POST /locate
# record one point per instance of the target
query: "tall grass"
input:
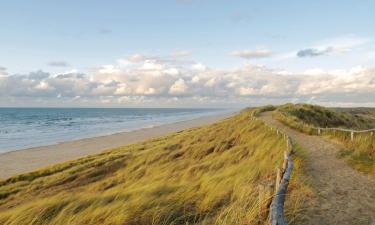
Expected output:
(360, 152)
(206, 175)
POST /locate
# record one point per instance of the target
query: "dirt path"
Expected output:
(344, 196)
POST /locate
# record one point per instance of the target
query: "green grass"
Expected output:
(205, 175)
(360, 153)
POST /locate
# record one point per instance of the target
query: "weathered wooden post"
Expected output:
(351, 135)
(278, 178)
(285, 163)
(287, 144)
(318, 131)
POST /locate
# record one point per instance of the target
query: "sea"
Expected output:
(22, 128)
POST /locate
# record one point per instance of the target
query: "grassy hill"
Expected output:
(206, 175)
(360, 152)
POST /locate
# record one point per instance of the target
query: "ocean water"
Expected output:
(30, 127)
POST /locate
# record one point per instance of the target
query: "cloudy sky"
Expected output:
(186, 53)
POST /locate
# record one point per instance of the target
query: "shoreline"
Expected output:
(29, 159)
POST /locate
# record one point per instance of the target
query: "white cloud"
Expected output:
(123, 62)
(43, 85)
(211, 82)
(195, 79)
(181, 53)
(152, 65)
(199, 67)
(171, 71)
(178, 87)
(252, 54)
(108, 69)
(245, 91)
(136, 58)
(159, 82)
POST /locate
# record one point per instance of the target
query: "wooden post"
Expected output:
(287, 144)
(352, 135)
(319, 131)
(278, 179)
(285, 163)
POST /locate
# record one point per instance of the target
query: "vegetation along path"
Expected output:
(344, 195)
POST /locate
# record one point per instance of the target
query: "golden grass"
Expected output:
(360, 153)
(206, 175)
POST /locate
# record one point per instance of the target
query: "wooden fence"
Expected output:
(272, 195)
(352, 132)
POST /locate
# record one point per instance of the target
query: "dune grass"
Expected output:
(360, 153)
(206, 175)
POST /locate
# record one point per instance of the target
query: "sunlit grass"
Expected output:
(206, 175)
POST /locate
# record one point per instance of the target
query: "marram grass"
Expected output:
(206, 175)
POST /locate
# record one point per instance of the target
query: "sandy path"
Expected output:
(21, 161)
(344, 196)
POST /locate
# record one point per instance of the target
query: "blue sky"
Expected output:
(290, 37)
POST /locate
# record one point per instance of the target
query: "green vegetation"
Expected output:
(206, 175)
(360, 152)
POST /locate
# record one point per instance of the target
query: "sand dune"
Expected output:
(25, 160)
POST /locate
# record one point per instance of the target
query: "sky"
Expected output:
(186, 53)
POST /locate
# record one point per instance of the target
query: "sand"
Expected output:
(26, 160)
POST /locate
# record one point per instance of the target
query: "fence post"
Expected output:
(351, 135)
(287, 144)
(319, 131)
(285, 163)
(278, 179)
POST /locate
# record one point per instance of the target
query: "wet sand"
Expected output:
(26, 160)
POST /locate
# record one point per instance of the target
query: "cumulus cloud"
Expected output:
(178, 87)
(137, 58)
(251, 54)
(166, 82)
(58, 64)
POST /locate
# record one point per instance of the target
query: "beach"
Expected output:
(27, 160)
